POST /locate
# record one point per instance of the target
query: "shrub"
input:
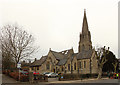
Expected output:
(3, 71)
(12, 74)
(24, 78)
(16, 77)
(104, 75)
(70, 76)
(40, 77)
(79, 76)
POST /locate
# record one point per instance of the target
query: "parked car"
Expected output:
(35, 73)
(52, 75)
(46, 73)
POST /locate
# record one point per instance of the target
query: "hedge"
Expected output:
(15, 75)
(79, 76)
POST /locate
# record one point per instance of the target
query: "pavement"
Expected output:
(78, 81)
(6, 80)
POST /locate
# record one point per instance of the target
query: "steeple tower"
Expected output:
(85, 43)
(85, 24)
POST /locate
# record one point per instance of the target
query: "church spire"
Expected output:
(85, 43)
(85, 24)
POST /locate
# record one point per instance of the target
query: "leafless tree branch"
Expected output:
(16, 42)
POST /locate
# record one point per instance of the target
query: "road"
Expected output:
(88, 82)
(53, 81)
(0, 78)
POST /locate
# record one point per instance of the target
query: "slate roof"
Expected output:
(39, 62)
(58, 55)
(72, 56)
(62, 62)
(84, 54)
(62, 58)
(25, 64)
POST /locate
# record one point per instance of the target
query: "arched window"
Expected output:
(68, 67)
(74, 66)
(62, 68)
(83, 47)
(84, 64)
(48, 66)
(80, 65)
(38, 68)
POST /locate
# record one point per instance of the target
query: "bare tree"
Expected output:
(16, 43)
(115, 65)
(101, 60)
(6, 59)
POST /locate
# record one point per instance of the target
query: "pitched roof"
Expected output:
(62, 56)
(25, 64)
(58, 55)
(72, 56)
(84, 54)
(39, 62)
(62, 62)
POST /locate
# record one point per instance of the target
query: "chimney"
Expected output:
(29, 61)
(23, 61)
(35, 59)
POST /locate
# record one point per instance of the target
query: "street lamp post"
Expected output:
(19, 66)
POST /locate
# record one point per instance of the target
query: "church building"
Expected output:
(84, 62)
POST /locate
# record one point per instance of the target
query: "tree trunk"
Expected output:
(115, 69)
(100, 73)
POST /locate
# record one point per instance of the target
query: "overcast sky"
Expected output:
(57, 24)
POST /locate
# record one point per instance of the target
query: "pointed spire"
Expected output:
(72, 48)
(85, 24)
(85, 36)
(84, 12)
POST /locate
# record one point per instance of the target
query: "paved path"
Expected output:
(52, 79)
(7, 79)
(94, 80)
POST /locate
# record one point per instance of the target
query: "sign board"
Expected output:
(19, 65)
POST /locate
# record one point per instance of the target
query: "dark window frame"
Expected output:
(80, 64)
(48, 66)
(84, 64)
(32, 68)
(74, 66)
(38, 68)
(62, 69)
(68, 67)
